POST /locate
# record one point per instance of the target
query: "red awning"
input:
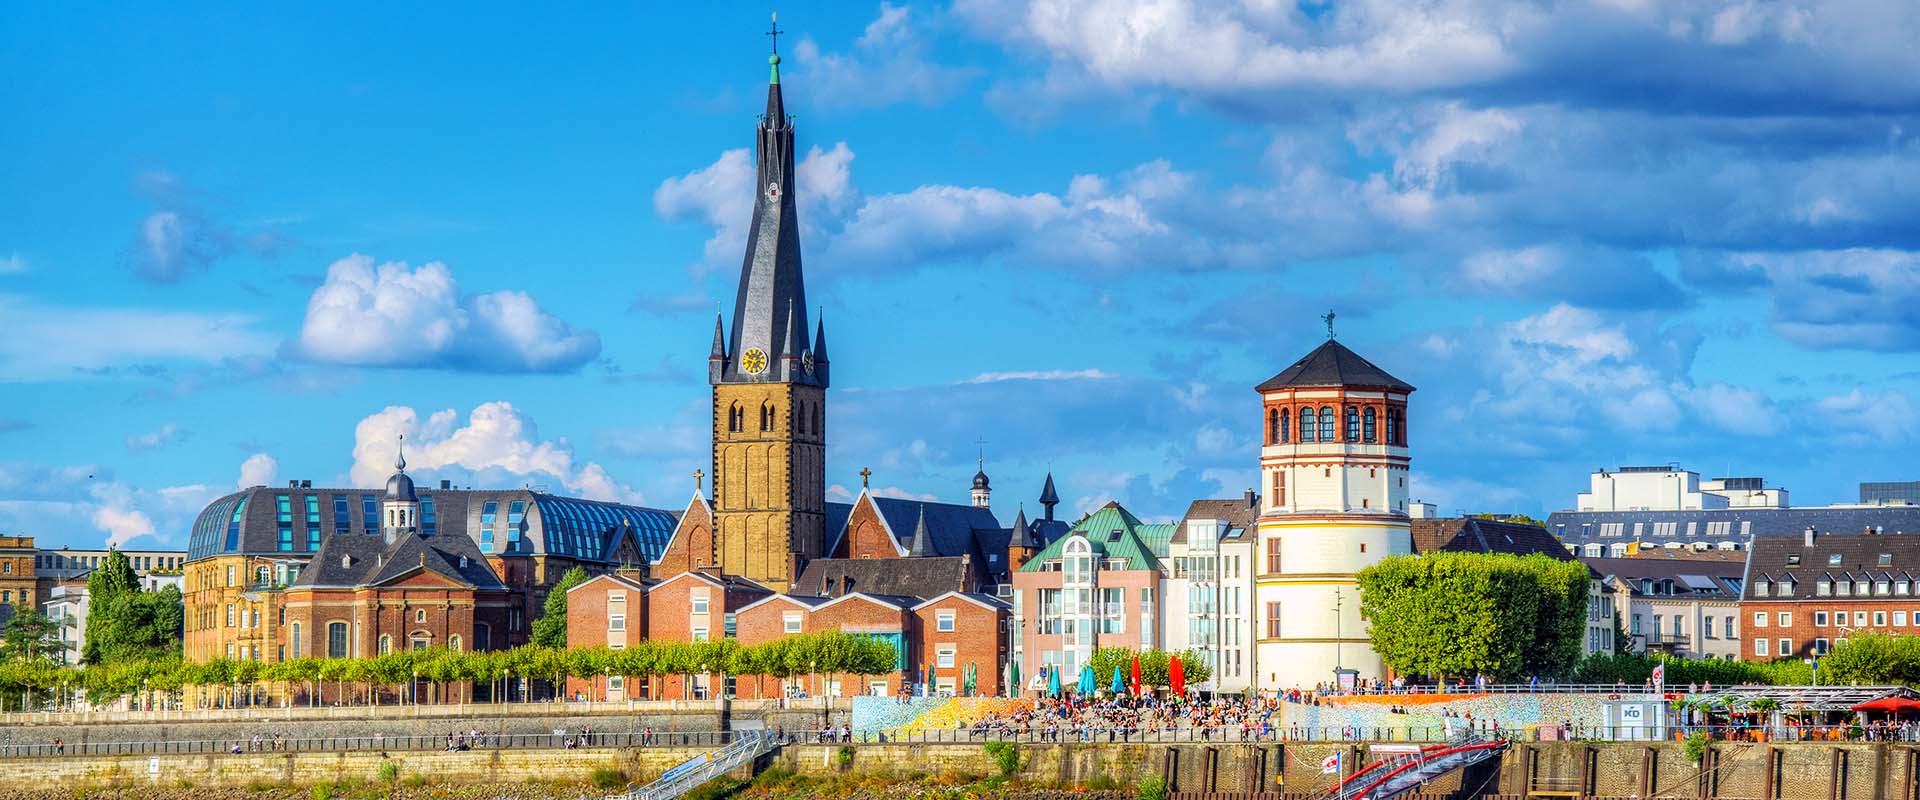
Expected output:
(1888, 704)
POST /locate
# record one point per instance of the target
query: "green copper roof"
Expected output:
(1141, 544)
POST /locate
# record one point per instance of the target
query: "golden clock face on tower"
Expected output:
(754, 361)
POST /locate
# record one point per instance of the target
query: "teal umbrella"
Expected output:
(1053, 682)
(1088, 683)
(1119, 686)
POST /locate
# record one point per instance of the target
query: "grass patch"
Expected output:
(389, 772)
(258, 785)
(1153, 787)
(1101, 783)
(715, 789)
(608, 778)
(1005, 755)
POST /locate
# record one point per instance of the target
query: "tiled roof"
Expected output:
(1238, 512)
(1332, 364)
(1689, 577)
(1585, 526)
(1830, 553)
(914, 577)
(347, 560)
(954, 530)
(1473, 535)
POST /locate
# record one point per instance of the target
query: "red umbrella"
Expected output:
(1177, 676)
(1890, 703)
(1134, 678)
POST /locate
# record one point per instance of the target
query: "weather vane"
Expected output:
(775, 33)
(1329, 320)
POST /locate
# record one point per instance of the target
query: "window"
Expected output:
(1367, 430)
(1353, 424)
(766, 417)
(1273, 620)
(700, 604)
(736, 418)
(700, 633)
(1820, 646)
(791, 621)
(1706, 627)
(1880, 588)
(336, 640)
(1784, 619)
(1306, 425)
(386, 644)
(617, 621)
(944, 657)
(230, 615)
(1859, 619)
(1899, 619)
(1326, 423)
(1786, 648)
(369, 514)
(1286, 426)
(1275, 428)
(1823, 588)
(1393, 426)
(1879, 619)
(1833, 560)
(943, 621)
(420, 641)
(1279, 493)
(487, 513)
(1759, 619)
(1820, 618)
(1273, 554)
(1760, 648)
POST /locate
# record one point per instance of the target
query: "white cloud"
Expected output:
(1853, 298)
(1879, 418)
(1089, 374)
(259, 469)
(167, 434)
(54, 343)
(397, 316)
(721, 195)
(888, 64)
(497, 444)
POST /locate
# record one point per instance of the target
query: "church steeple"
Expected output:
(771, 304)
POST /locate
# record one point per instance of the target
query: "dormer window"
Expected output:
(1885, 560)
(1793, 559)
(1114, 535)
(346, 561)
(1823, 588)
(1761, 587)
(1833, 560)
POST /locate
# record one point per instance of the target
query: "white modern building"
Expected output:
(1670, 488)
(66, 607)
(1209, 590)
(1334, 467)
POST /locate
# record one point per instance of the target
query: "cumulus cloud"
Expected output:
(53, 342)
(259, 469)
(1878, 417)
(1861, 298)
(393, 315)
(498, 445)
(721, 195)
(153, 440)
(61, 503)
(888, 64)
(180, 236)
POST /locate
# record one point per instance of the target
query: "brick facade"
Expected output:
(866, 535)
(17, 587)
(1804, 594)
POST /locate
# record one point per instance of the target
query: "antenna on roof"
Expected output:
(1328, 318)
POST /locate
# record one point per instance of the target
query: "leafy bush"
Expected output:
(607, 778)
(1153, 787)
(1696, 746)
(321, 791)
(389, 771)
(845, 756)
(1006, 756)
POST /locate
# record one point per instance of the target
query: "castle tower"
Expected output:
(1334, 463)
(769, 385)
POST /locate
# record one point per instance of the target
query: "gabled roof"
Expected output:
(803, 601)
(902, 602)
(1238, 512)
(1113, 532)
(918, 577)
(1474, 535)
(620, 579)
(976, 598)
(370, 561)
(1332, 364)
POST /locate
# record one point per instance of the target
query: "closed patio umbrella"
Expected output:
(1053, 681)
(1088, 683)
(1119, 686)
(1177, 677)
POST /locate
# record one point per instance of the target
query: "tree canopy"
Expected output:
(550, 630)
(30, 637)
(1501, 615)
(125, 622)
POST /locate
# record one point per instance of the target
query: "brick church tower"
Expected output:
(769, 385)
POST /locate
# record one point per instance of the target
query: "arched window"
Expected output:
(336, 640)
(386, 644)
(454, 641)
(736, 418)
(1393, 426)
(766, 417)
(1367, 434)
(1286, 427)
(1326, 423)
(1306, 425)
(1353, 424)
(799, 422)
(1273, 426)
(819, 420)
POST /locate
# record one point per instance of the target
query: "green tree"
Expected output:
(1873, 659)
(550, 630)
(29, 636)
(126, 623)
(1446, 614)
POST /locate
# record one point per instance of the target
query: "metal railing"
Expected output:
(377, 743)
(299, 711)
(707, 766)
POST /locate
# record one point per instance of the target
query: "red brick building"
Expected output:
(945, 633)
(1804, 594)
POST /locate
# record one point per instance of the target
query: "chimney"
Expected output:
(445, 484)
(1809, 536)
(293, 484)
(306, 484)
(1249, 497)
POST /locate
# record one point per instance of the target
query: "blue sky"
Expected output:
(246, 245)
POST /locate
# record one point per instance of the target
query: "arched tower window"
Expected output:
(800, 417)
(766, 417)
(1326, 423)
(1273, 426)
(1353, 424)
(819, 420)
(1393, 426)
(1286, 427)
(1306, 425)
(736, 418)
(1367, 431)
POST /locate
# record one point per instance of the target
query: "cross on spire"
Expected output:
(774, 32)
(865, 474)
(697, 475)
(1328, 318)
(982, 444)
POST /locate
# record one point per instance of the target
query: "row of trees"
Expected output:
(226, 681)
(1455, 614)
(1154, 666)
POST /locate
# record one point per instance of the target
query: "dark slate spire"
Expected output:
(921, 545)
(772, 300)
(1049, 497)
(1022, 533)
(717, 357)
(820, 348)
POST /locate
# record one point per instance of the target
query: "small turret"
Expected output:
(1021, 544)
(400, 509)
(717, 357)
(982, 491)
(921, 545)
(1048, 497)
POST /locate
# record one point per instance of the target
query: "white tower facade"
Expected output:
(1334, 469)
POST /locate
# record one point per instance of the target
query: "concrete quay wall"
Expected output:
(1864, 771)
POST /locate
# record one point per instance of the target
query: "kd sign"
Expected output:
(1631, 713)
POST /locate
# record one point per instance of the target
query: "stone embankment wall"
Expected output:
(1864, 771)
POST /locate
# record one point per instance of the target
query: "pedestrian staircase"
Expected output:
(1392, 777)
(745, 747)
